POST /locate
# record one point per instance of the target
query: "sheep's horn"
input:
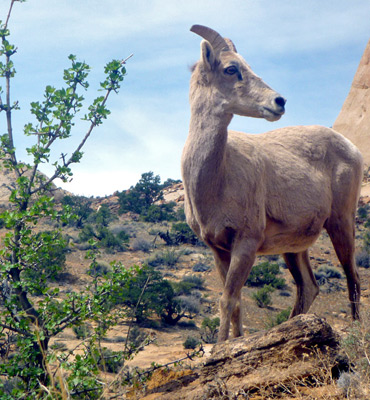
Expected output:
(217, 41)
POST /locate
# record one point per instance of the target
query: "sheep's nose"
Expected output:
(280, 101)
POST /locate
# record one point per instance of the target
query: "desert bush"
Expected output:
(159, 212)
(362, 212)
(209, 329)
(262, 296)
(100, 268)
(190, 305)
(136, 339)
(169, 257)
(104, 237)
(356, 347)
(142, 244)
(279, 318)
(187, 284)
(180, 234)
(196, 281)
(191, 343)
(363, 258)
(201, 267)
(266, 274)
(326, 272)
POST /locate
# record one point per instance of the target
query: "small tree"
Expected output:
(140, 197)
(266, 274)
(80, 207)
(150, 294)
(26, 325)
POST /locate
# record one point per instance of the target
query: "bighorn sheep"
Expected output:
(271, 193)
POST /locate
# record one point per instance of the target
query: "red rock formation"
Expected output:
(354, 118)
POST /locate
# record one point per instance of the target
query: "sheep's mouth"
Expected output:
(272, 115)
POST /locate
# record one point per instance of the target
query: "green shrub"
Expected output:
(184, 234)
(105, 238)
(191, 343)
(209, 329)
(103, 216)
(196, 281)
(266, 274)
(362, 212)
(123, 236)
(180, 214)
(158, 213)
(187, 285)
(157, 296)
(279, 318)
(263, 296)
(80, 206)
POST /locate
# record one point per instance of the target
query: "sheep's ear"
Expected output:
(207, 55)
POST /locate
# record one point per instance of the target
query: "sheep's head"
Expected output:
(238, 88)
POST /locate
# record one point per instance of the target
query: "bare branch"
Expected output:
(9, 12)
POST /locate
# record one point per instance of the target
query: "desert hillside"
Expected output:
(178, 262)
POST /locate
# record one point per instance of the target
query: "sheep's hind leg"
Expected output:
(342, 234)
(307, 287)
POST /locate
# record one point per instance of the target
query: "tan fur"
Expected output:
(271, 193)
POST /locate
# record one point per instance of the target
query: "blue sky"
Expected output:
(307, 51)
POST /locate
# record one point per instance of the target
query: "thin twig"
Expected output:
(134, 312)
(124, 61)
(10, 10)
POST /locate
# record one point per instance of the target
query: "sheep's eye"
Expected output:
(231, 70)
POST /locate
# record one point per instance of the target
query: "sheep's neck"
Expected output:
(203, 163)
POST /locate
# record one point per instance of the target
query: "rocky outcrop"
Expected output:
(354, 119)
(248, 366)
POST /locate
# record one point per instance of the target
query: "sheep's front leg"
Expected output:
(242, 259)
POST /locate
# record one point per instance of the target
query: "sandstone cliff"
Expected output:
(354, 119)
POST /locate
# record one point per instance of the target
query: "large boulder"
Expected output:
(354, 118)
